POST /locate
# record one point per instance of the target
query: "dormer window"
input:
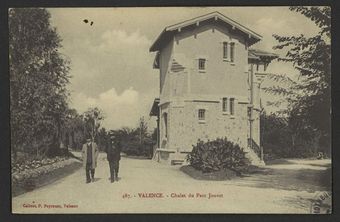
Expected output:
(202, 64)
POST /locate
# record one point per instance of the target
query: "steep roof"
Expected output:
(169, 31)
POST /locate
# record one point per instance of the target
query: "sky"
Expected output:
(111, 66)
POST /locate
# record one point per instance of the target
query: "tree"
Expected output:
(128, 139)
(73, 129)
(286, 136)
(309, 98)
(92, 119)
(135, 141)
(142, 130)
(102, 139)
(38, 79)
(146, 141)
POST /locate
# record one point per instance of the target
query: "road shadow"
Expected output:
(97, 179)
(137, 157)
(278, 161)
(310, 176)
(328, 165)
(309, 180)
(221, 175)
(109, 179)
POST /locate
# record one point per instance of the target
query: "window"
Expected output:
(165, 117)
(232, 106)
(229, 51)
(225, 104)
(201, 114)
(201, 64)
(225, 50)
(228, 106)
(232, 52)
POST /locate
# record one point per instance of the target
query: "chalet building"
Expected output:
(209, 86)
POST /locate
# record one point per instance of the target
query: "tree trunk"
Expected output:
(293, 144)
(72, 139)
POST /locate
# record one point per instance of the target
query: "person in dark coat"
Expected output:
(90, 154)
(113, 156)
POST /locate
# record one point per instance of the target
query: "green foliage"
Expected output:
(73, 130)
(92, 118)
(135, 141)
(40, 117)
(102, 139)
(38, 79)
(217, 155)
(77, 128)
(287, 137)
(309, 98)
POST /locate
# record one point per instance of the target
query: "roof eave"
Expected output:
(210, 16)
(155, 46)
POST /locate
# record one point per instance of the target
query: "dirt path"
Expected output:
(267, 192)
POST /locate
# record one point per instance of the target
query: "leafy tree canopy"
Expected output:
(38, 79)
(309, 98)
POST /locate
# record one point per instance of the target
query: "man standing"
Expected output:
(113, 156)
(90, 154)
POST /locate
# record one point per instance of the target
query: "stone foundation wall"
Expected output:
(185, 128)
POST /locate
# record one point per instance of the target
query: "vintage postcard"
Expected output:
(170, 110)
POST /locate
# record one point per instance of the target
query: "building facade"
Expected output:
(209, 86)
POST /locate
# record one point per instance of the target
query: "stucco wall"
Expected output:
(183, 93)
(164, 110)
(186, 129)
(221, 77)
(164, 62)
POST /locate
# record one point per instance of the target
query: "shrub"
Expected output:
(217, 155)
